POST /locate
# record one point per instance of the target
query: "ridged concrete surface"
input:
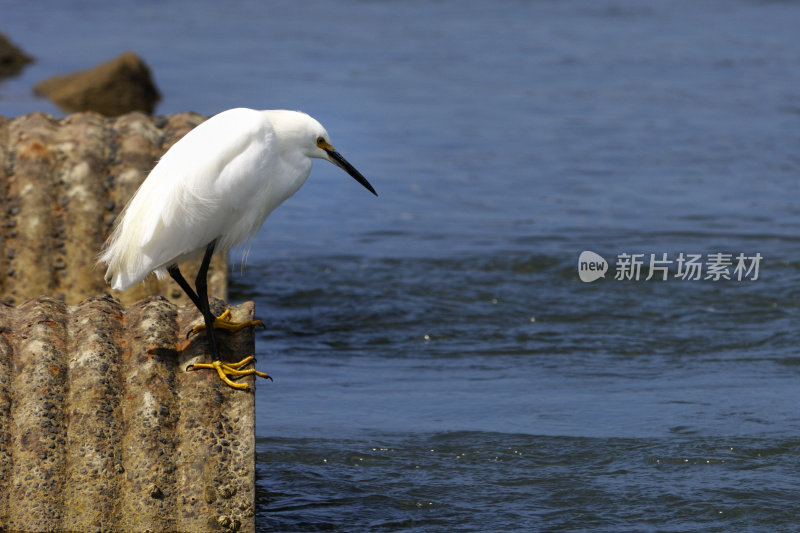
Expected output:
(62, 183)
(103, 429)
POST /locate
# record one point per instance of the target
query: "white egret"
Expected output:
(210, 192)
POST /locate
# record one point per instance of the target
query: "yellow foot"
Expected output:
(223, 321)
(232, 369)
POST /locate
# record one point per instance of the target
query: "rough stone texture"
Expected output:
(103, 429)
(62, 183)
(119, 86)
(12, 59)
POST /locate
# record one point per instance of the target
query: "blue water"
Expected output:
(438, 364)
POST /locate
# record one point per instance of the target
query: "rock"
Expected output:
(12, 59)
(119, 86)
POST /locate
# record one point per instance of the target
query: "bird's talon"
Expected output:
(232, 369)
(224, 321)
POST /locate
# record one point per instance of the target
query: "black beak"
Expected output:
(342, 163)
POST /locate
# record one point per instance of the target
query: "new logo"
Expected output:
(591, 266)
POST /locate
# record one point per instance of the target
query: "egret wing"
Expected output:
(180, 207)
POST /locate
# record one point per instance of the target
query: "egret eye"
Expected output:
(320, 141)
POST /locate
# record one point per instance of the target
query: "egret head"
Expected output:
(302, 132)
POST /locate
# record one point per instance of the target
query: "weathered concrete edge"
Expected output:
(102, 428)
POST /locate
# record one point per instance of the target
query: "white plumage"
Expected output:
(220, 181)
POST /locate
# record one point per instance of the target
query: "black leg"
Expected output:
(201, 284)
(200, 299)
(180, 280)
